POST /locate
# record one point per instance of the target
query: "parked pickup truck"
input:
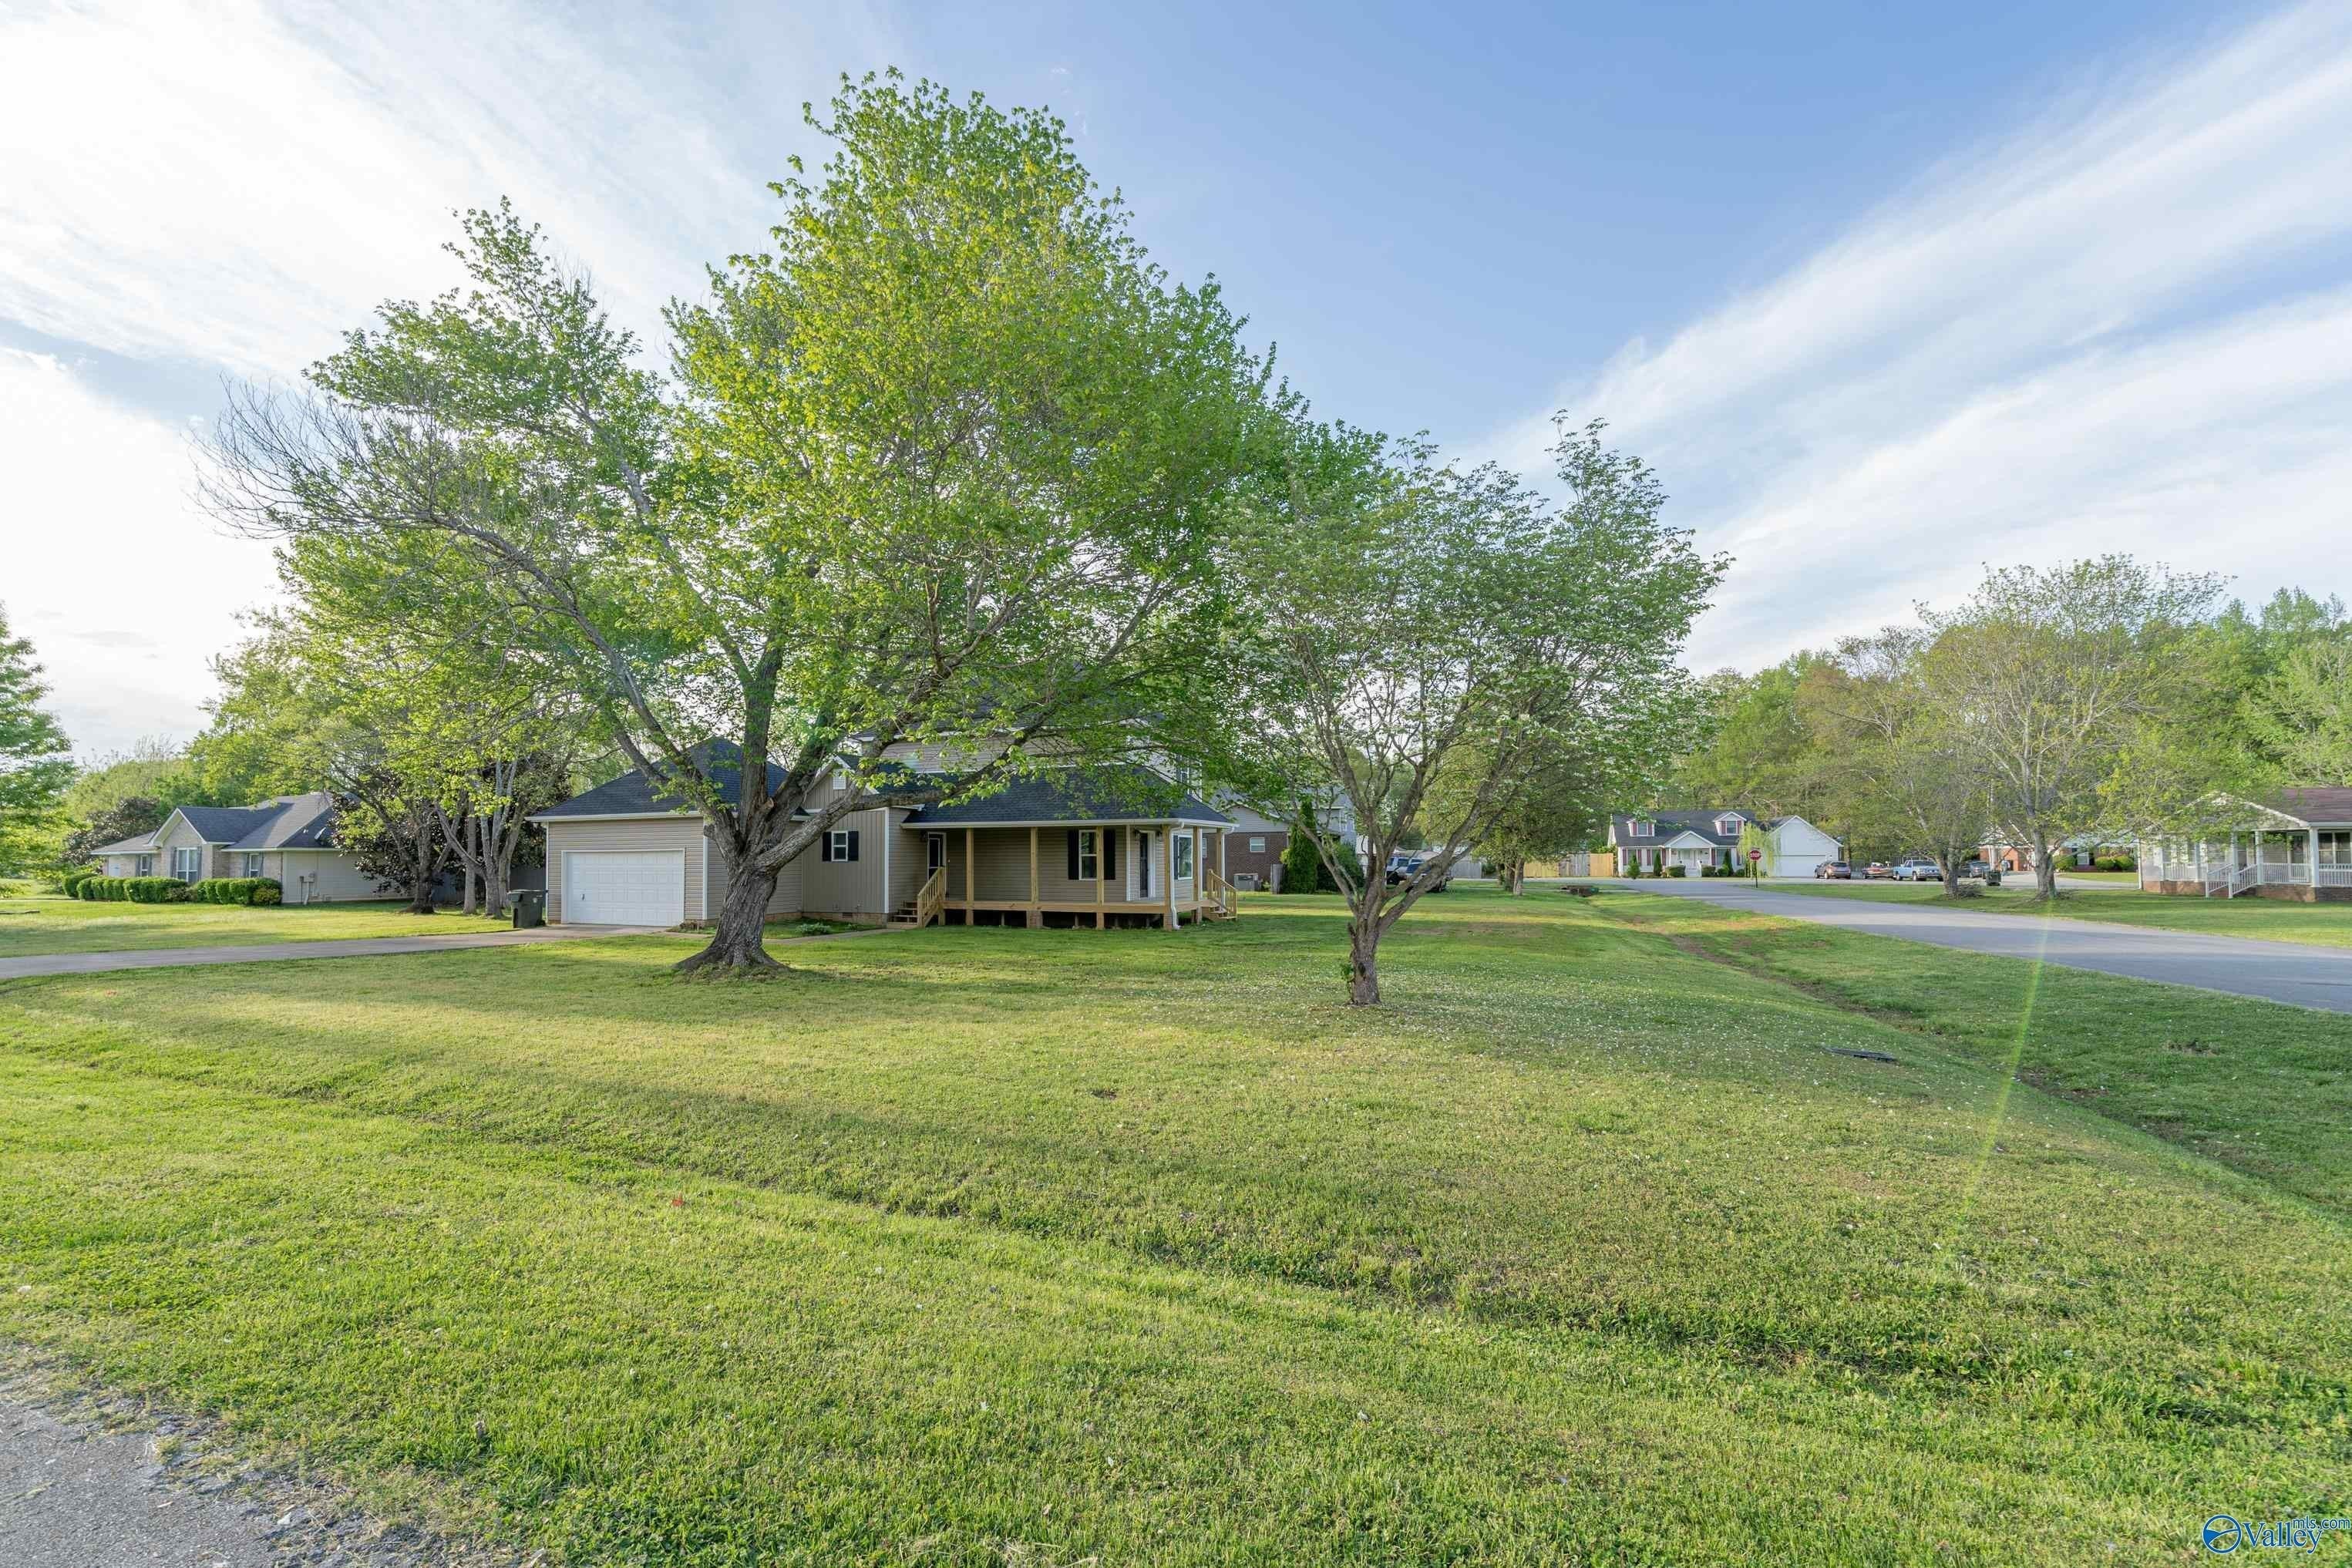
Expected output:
(1916, 869)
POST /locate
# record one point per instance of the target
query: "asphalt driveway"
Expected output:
(2292, 972)
(350, 947)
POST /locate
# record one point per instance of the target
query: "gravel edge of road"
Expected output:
(295, 1521)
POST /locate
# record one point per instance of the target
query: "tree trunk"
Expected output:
(2045, 872)
(1364, 957)
(739, 941)
(1951, 877)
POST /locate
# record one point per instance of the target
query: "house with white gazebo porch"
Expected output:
(2296, 844)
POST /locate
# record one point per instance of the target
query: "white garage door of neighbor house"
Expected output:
(636, 887)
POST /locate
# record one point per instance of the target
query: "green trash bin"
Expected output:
(529, 908)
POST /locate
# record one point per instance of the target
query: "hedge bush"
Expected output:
(71, 882)
(2116, 863)
(237, 891)
(133, 890)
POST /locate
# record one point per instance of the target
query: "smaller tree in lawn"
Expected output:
(1443, 636)
(1754, 845)
(1556, 802)
(1903, 761)
(34, 767)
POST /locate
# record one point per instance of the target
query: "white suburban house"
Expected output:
(1698, 841)
(2296, 844)
(291, 838)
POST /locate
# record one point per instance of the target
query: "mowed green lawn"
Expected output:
(2270, 920)
(48, 923)
(998, 1246)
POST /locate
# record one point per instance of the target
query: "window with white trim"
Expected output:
(1089, 855)
(1183, 855)
(143, 865)
(840, 843)
(1257, 843)
(1641, 828)
(188, 864)
(252, 866)
(2336, 849)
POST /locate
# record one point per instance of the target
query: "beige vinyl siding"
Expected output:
(335, 878)
(784, 901)
(907, 867)
(852, 888)
(1000, 865)
(683, 833)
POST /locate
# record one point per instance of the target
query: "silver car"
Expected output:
(1917, 871)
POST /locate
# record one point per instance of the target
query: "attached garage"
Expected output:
(624, 887)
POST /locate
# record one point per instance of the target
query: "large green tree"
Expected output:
(2057, 676)
(34, 766)
(1444, 636)
(952, 458)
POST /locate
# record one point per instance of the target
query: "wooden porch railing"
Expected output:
(932, 903)
(1216, 892)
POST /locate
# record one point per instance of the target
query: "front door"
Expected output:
(1141, 861)
(934, 853)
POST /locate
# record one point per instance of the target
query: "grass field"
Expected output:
(997, 1246)
(49, 923)
(2270, 920)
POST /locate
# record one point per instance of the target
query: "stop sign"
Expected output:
(1755, 854)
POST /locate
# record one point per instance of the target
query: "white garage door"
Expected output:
(638, 888)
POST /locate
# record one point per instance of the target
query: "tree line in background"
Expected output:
(2100, 700)
(951, 458)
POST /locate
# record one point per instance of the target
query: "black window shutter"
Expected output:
(853, 844)
(1074, 855)
(824, 850)
(1110, 852)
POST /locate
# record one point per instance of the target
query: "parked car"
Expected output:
(1405, 865)
(1878, 870)
(1836, 869)
(1983, 871)
(1916, 869)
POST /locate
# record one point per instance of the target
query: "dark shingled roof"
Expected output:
(2318, 805)
(288, 822)
(633, 794)
(1116, 793)
(1671, 825)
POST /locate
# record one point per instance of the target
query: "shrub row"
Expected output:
(2116, 863)
(97, 887)
(236, 890)
(131, 890)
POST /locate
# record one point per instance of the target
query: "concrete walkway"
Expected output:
(2300, 975)
(352, 947)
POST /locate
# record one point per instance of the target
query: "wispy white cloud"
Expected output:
(228, 185)
(2116, 328)
(125, 590)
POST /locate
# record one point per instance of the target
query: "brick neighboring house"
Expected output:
(1253, 848)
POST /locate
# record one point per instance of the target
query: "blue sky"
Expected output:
(1884, 292)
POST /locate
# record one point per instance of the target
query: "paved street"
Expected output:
(2293, 973)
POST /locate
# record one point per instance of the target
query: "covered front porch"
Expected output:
(2274, 855)
(1696, 857)
(1166, 874)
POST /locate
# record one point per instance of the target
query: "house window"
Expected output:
(1728, 825)
(837, 844)
(1640, 827)
(2336, 849)
(1257, 843)
(252, 866)
(1089, 855)
(840, 780)
(1183, 855)
(143, 866)
(188, 864)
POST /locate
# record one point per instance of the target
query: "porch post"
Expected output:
(1102, 852)
(1036, 916)
(2310, 866)
(970, 914)
(1168, 859)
